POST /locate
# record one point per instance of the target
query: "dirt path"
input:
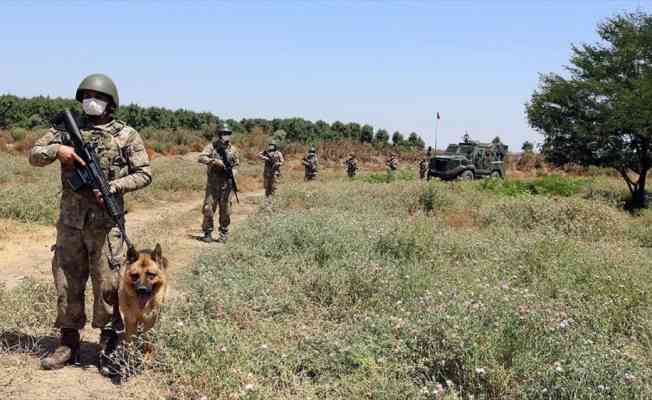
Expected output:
(27, 255)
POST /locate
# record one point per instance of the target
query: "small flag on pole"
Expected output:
(438, 117)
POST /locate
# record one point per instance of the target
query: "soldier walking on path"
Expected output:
(424, 164)
(351, 165)
(84, 225)
(392, 166)
(272, 172)
(310, 165)
(218, 185)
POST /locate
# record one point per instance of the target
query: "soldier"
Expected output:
(310, 165)
(392, 166)
(351, 165)
(218, 186)
(423, 164)
(84, 225)
(272, 173)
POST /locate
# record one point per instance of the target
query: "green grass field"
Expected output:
(354, 290)
(538, 289)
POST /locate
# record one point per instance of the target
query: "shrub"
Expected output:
(573, 217)
(551, 185)
(434, 197)
(18, 134)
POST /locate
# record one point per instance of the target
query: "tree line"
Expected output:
(40, 111)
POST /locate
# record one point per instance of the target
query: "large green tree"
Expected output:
(382, 137)
(398, 139)
(366, 134)
(601, 113)
(415, 140)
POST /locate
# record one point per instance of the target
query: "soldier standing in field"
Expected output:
(272, 172)
(351, 165)
(218, 186)
(84, 225)
(392, 166)
(424, 163)
(310, 165)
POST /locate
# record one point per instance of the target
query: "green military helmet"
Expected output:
(99, 83)
(312, 150)
(224, 130)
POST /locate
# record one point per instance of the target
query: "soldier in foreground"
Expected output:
(392, 166)
(218, 184)
(423, 164)
(310, 165)
(272, 172)
(351, 165)
(84, 224)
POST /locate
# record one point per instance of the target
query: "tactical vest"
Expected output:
(79, 209)
(215, 173)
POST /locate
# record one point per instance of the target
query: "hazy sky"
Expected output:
(389, 64)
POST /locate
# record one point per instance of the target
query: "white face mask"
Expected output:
(94, 106)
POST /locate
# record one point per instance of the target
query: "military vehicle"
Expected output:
(469, 160)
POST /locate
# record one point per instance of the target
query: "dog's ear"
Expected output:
(132, 255)
(157, 255)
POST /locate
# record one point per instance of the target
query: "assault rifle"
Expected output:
(91, 176)
(228, 171)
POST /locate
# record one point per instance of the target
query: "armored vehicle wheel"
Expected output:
(467, 175)
(496, 174)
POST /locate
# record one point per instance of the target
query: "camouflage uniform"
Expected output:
(272, 171)
(423, 168)
(351, 167)
(392, 166)
(218, 189)
(310, 165)
(83, 226)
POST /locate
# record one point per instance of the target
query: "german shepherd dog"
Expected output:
(142, 290)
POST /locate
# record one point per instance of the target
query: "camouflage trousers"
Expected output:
(271, 184)
(78, 254)
(217, 195)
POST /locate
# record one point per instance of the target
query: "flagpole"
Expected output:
(436, 129)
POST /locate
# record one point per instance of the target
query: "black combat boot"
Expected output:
(66, 353)
(108, 344)
(224, 235)
(208, 238)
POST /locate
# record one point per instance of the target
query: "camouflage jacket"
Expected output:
(273, 162)
(123, 160)
(216, 173)
(392, 164)
(423, 165)
(310, 164)
(351, 164)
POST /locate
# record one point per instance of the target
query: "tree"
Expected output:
(398, 139)
(353, 130)
(382, 137)
(340, 128)
(366, 134)
(415, 141)
(527, 147)
(602, 113)
(496, 140)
